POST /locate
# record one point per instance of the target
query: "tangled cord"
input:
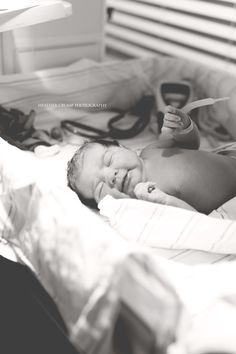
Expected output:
(17, 128)
(142, 111)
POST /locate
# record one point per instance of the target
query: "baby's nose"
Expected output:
(112, 178)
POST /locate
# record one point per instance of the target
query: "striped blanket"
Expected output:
(160, 226)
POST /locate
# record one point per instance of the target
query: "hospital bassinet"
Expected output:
(82, 261)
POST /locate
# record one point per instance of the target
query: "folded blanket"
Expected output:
(156, 225)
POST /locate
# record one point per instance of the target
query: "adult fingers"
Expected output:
(172, 117)
(143, 189)
(149, 192)
(169, 124)
(177, 112)
(171, 109)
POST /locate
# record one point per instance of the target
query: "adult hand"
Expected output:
(175, 119)
(149, 192)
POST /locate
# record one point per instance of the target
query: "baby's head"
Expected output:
(100, 168)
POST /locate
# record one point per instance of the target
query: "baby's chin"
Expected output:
(130, 191)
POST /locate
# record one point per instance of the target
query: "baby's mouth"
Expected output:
(123, 184)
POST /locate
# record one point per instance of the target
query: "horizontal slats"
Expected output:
(127, 48)
(176, 35)
(199, 30)
(196, 7)
(186, 21)
(161, 46)
(134, 51)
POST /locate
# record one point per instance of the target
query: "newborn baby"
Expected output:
(172, 171)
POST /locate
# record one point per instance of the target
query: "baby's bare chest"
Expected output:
(176, 169)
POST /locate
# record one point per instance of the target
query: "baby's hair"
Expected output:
(74, 166)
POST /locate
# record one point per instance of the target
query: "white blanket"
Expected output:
(156, 225)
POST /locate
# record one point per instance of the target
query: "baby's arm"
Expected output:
(149, 192)
(180, 129)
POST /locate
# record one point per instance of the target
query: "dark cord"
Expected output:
(142, 111)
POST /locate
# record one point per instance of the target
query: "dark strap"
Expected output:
(142, 110)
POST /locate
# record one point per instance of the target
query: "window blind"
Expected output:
(199, 30)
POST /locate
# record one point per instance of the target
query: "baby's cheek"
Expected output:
(127, 160)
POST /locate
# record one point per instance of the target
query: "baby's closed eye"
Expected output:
(107, 158)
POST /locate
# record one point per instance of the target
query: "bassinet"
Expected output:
(82, 262)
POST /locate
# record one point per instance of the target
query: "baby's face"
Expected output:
(111, 171)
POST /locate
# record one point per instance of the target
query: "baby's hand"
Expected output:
(175, 119)
(149, 192)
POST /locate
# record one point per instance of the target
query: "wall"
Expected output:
(58, 42)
